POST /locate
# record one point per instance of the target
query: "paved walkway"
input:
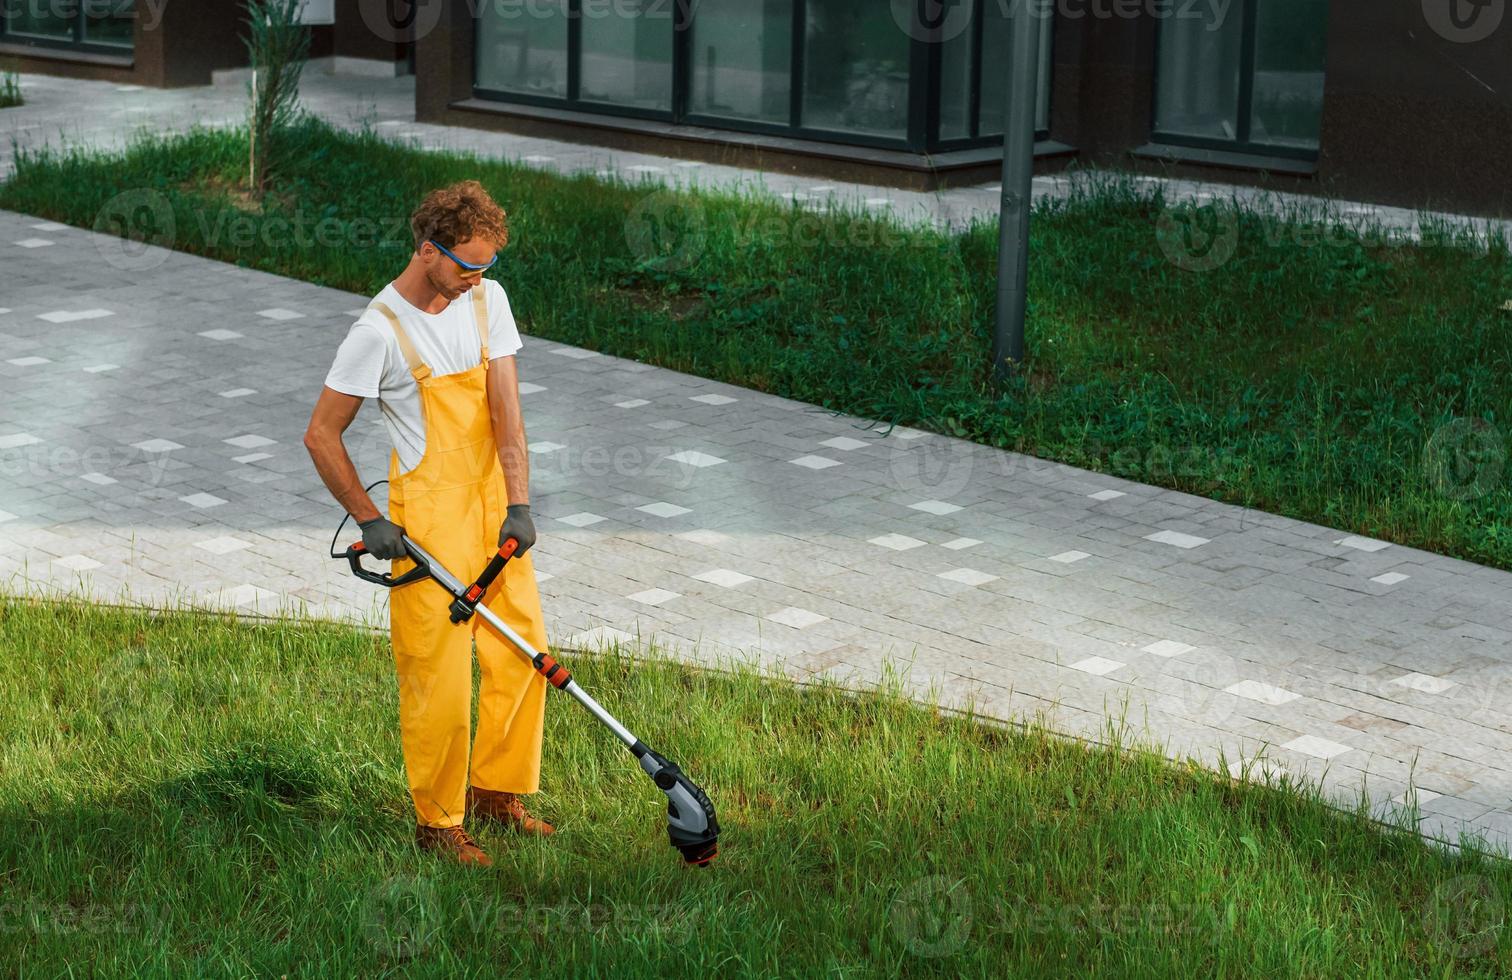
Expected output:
(150, 451)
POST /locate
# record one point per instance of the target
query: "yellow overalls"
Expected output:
(453, 503)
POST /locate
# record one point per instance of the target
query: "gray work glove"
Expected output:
(382, 538)
(519, 526)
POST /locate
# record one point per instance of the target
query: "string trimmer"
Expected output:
(691, 823)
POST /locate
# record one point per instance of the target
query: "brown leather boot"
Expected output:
(506, 809)
(453, 842)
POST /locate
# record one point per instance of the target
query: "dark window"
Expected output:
(99, 25)
(846, 70)
(1248, 79)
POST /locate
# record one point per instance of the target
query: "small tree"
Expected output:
(277, 47)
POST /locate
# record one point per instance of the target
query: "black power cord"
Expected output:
(334, 553)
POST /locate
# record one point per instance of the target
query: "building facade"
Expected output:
(1404, 102)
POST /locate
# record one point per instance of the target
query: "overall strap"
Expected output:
(480, 310)
(417, 367)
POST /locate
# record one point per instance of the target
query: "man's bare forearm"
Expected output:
(514, 459)
(339, 475)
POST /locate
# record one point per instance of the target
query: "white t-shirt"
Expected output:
(369, 363)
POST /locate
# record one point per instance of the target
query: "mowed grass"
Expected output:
(1353, 380)
(193, 795)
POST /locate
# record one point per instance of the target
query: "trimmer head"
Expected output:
(691, 824)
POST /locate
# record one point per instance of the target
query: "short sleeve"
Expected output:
(503, 334)
(360, 362)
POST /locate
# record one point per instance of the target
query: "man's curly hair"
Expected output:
(459, 213)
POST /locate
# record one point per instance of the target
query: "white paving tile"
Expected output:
(1362, 544)
(1067, 557)
(279, 313)
(664, 509)
(1097, 665)
(1262, 692)
(249, 441)
(1317, 746)
(545, 446)
(1426, 683)
(723, 576)
(71, 316)
(581, 519)
(796, 617)
(845, 443)
(693, 457)
(632, 403)
(575, 352)
(253, 457)
(36, 242)
(238, 392)
(653, 597)
(18, 440)
(1106, 494)
(48, 226)
(935, 507)
(219, 334)
(704, 536)
(712, 399)
(667, 424)
(968, 576)
(6, 515)
(960, 543)
(904, 432)
(1421, 795)
(100, 368)
(243, 595)
(815, 462)
(99, 479)
(1390, 578)
(1168, 648)
(79, 563)
(897, 542)
(529, 387)
(156, 445)
(222, 545)
(31, 361)
(203, 500)
(1177, 538)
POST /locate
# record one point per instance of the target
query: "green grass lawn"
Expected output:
(194, 795)
(1357, 382)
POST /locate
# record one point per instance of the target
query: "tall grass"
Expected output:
(183, 794)
(1351, 379)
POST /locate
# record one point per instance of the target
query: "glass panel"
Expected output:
(997, 42)
(1197, 72)
(956, 57)
(742, 59)
(1288, 102)
(109, 21)
(855, 76)
(522, 47)
(627, 53)
(34, 19)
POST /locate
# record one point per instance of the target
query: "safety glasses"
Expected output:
(467, 267)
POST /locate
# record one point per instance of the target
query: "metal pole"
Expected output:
(1018, 173)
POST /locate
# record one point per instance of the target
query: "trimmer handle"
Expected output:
(354, 555)
(462, 607)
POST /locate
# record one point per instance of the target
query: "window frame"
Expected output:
(78, 42)
(1249, 38)
(921, 127)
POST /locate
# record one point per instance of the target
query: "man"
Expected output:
(436, 348)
